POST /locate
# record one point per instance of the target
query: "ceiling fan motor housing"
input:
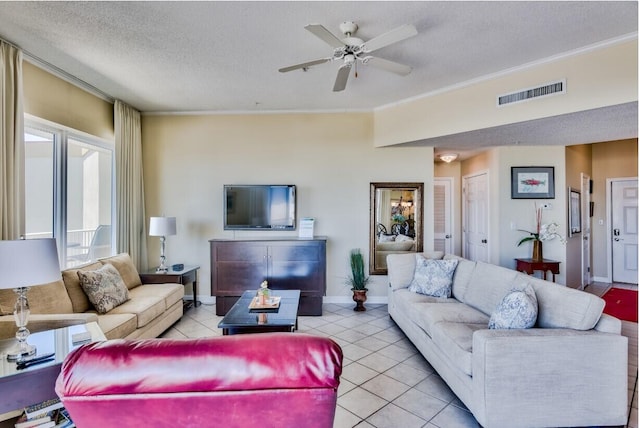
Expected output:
(348, 28)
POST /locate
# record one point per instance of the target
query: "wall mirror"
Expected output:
(396, 222)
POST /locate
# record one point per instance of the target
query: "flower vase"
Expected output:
(537, 251)
(359, 296)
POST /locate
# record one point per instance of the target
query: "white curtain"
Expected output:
(11, 143)
(131, 231)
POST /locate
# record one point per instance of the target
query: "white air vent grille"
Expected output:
(554, 88)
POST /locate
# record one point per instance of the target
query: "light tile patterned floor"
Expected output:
(385, 381)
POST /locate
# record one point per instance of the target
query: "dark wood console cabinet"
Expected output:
(287, 264)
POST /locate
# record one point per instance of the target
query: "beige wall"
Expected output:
(473, 106)
(330, 157)
(51, 98)
(615, 159)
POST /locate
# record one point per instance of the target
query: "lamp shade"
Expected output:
(162, 226)
(29, 262)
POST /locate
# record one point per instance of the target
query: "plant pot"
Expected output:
(536, 256)
(359, 296)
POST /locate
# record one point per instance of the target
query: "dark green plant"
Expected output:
(358, 279)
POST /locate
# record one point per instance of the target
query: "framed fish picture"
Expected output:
(532, 182)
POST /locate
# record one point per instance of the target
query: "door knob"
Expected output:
(447, 236)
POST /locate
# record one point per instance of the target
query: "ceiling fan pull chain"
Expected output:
(355, 74)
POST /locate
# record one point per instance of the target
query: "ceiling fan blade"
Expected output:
(304, 65)
(385, 64)
(342, 77)
(393, 36)
(325, 35)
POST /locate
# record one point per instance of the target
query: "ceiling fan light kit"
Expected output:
(353, 49)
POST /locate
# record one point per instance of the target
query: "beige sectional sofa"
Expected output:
(570, 369)
(150, 310)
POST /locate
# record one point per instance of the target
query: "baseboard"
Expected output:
(377, 300)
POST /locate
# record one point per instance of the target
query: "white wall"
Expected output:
(330, 157)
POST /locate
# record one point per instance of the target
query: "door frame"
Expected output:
(463, 243)
(448, 183)
(585, 188)
(609, 218)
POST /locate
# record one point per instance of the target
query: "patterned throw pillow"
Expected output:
(104, 288)
(518, 309)
(433, 277)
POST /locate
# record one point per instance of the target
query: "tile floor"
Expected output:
(385, 381)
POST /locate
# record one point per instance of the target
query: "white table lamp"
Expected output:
(162, 227)
(24, 264)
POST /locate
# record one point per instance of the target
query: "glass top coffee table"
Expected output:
(240, 319)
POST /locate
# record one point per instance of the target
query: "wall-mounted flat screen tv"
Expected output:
(271, 207)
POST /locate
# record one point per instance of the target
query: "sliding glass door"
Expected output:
(69, 192)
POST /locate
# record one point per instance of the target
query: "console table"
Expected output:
(528, 266)
(188, 274)
(286, 263)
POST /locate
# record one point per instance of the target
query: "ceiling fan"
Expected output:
(352, 49)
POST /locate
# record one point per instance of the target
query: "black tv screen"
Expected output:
(260, 207)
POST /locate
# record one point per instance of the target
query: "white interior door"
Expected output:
(442, 216)
(586, 229)
(624, 230)
(476, 217)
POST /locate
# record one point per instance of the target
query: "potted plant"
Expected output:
(358, 279)
(543, 232)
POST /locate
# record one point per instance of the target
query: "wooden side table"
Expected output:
(528, 266)
(188, 275)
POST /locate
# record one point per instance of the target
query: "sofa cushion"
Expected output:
(117, 326)
(79, 299)
(395, 246)
(564, 307)
(104, 288)
(427, 315)
(489, 285)
(462, 276)
(400, 267)
(455, 340)
(144, 306)
(127, 269)
(518, 309)
(51, 298)
(171, 292)
(433, 277)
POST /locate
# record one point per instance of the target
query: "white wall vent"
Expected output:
(553, 88)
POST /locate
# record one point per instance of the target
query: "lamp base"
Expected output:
(20, 351)
(162, 269)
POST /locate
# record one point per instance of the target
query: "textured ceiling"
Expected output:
(225, 56)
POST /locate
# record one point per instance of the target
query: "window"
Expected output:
(69, 192)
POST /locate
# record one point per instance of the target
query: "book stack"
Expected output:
(47, 414)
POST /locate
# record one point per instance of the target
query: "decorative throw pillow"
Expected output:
(433, 277)
(104, 288)
(518, 309)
